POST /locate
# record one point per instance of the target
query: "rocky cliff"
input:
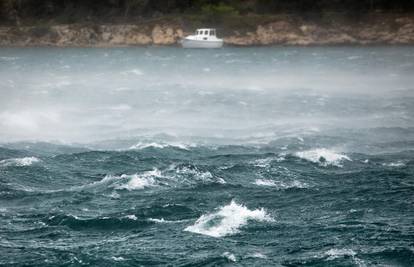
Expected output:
(397, 30)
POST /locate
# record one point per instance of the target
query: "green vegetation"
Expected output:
(212, 11)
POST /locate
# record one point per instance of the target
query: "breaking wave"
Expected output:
(394, 164)
(26, 161)
(324, 157)
(266, 162)
(139, 181)
(229, 256)
(143, 145)
(336, 253)
(162, 220)
(227, 220)
(281, 184)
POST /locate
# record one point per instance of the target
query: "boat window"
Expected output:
(212, 32)
(206, 32)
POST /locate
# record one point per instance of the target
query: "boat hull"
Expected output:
(187, 43)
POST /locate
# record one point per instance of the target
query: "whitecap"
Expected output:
(142, 145)
(334, 253)
(281, 184)
(227, 220)
(117, 258)
(323, 157)
(198, 174)
(114, 195)
(266, 162)
(131, 217)
(26, 161)
(162, 220)
(140, 181)
(264, 182)
(258, 255)
(229, 256)
(157, 220)
(394, 164)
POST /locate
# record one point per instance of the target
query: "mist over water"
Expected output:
(85, 95)
(276, 156)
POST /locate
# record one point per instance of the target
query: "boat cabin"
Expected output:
(202, 38)
(205, 32)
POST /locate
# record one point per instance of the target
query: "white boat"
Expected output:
(203, 38)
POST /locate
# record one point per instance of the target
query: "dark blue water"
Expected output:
(171, 157)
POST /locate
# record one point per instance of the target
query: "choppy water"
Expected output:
(165, 156)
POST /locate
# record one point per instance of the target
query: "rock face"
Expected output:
(399, 30)
(165, 35)
(89, 36)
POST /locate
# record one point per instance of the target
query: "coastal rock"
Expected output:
(276, 33)
(165, 35)
(394, 30)
(124, 35)
(238, 40)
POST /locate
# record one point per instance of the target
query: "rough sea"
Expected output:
(278, 156)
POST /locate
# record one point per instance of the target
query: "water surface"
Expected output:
(278, 156)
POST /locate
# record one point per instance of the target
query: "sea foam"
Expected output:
(324, 157)
(162, 220)
(227, 220)
(337, 253)
(140, 181)
(27, 161)
(266, 162)
(394, 164)
(281, 184)
(143, 145)
(229, 256)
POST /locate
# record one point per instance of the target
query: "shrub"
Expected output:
(216, 13)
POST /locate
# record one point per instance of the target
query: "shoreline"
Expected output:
(374, 29)
(356, 45)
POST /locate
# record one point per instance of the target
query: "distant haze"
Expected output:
(84, 95)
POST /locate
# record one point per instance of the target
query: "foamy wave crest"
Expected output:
(27, 161)
(227, 220)
(195, 173)
(264, 182)
(140, 181)
(258, 255)
(323, 157)
(142, 145)
(229, 256)
(131, 217)
(280, 184)
(334, 253)
(337, 253)
(394, 164)
(162, 220)
(265, 163)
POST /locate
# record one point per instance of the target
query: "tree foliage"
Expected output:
(12, 11)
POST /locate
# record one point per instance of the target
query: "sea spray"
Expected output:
(227, 220)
